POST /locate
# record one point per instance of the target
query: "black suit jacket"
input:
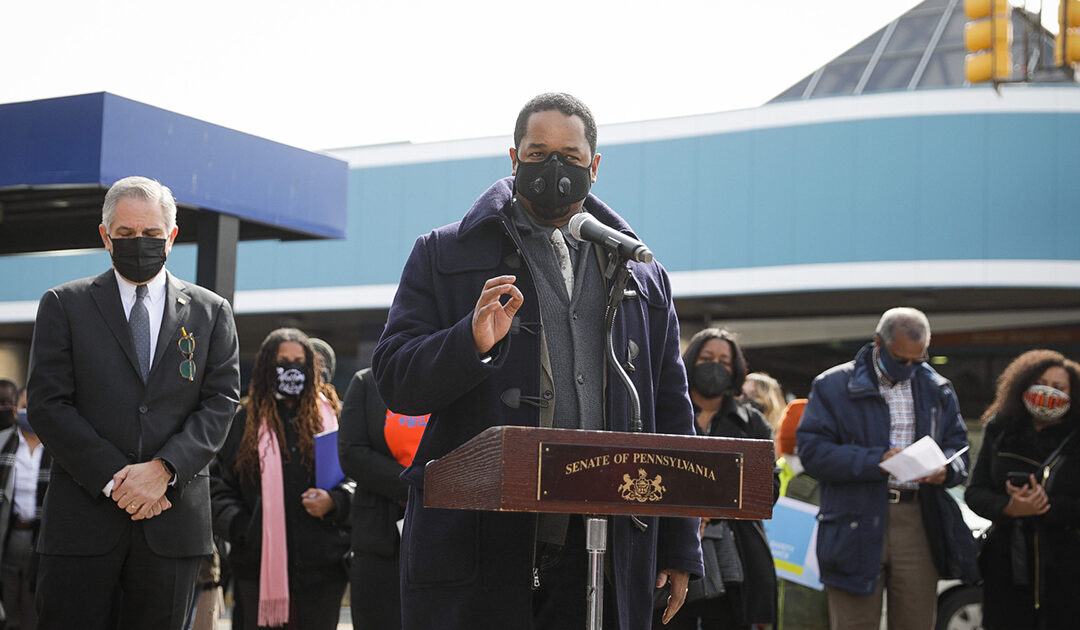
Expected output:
(365, 457)
(95, 415)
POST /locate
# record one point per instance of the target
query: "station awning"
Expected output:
(58, 157)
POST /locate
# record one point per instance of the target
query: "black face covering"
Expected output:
(710, 379)
(138, 259)
(291, 379)
(553, 185)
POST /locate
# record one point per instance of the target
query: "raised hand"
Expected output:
(491, 318)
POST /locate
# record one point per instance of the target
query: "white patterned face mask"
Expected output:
(1046, 404)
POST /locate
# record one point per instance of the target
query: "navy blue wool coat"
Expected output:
(471, 569)
(841, 438)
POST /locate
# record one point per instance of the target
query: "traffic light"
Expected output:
(988, 35)
(1067, 42)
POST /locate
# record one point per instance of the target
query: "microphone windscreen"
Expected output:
(576, 222)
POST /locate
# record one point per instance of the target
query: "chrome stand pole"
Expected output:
(595, 545)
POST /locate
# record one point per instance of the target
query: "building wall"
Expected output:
(925, 180)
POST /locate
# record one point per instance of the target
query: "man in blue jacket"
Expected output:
(498, 320)
(874, 532)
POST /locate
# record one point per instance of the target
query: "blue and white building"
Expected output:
(879, 180)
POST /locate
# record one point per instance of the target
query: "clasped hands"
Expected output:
(139, 489)
(1027, 500)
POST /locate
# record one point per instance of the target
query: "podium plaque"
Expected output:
(509, 468)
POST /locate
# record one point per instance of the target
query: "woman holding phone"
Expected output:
(1027, 481)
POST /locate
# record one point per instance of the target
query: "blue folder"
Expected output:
(328, 471)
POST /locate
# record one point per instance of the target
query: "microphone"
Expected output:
(585, 227)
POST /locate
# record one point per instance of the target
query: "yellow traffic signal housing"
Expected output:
(1067, 42)
(988, 36)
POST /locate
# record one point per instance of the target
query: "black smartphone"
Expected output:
(1019, 479)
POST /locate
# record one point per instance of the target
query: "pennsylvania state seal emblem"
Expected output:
(641, 489)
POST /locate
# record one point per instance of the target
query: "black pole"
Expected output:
(216, 266)
(618, 291)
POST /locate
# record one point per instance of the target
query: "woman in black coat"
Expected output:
(716, 370)
(379, 502)
(1027, 481)
(284, 408)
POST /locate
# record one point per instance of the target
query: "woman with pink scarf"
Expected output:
(288, 537)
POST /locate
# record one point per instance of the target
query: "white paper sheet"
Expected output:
(920, 459)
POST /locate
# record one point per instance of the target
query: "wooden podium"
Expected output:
(527, 469)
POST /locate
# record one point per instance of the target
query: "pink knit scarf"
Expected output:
(274, 564)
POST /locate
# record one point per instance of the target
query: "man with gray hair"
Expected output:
(134, 379)
(876, 533)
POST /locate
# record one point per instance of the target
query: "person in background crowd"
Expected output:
(24, 478)
(376, 445)
(9, 395)
(786, 448)
(874, 531)
(799, 607)
(739, 589)
(209, 599)
(1027, 481)
(134, 377)
(765, 393)
(463, 342)
(326, 363)
(288, 537)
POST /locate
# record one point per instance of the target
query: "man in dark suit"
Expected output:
(134, 379)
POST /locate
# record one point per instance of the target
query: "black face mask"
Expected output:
(138, 259)
(553, 185)
(710, 379)
(291, 379)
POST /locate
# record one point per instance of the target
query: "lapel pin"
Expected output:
(182, 300)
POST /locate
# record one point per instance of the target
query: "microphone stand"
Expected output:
(596, 526)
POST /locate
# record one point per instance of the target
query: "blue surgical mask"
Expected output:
(24, 422)
(892, 368)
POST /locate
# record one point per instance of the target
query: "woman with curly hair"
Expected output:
(288, 537)
(1027, 481)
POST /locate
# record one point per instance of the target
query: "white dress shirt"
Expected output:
(27, 465)
(155, 307)
(154, 300)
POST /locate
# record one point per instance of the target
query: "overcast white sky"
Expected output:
(324, 74)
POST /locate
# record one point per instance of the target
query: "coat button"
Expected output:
(581, 379)
(548, 394)
(131, 457)
(143, 408)
(854, 524)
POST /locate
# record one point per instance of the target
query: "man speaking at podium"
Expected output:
(499, 320)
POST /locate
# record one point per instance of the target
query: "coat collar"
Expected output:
(177, 300)
(864, 379)
(729, 407)
(106, 295)
(494, 205)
